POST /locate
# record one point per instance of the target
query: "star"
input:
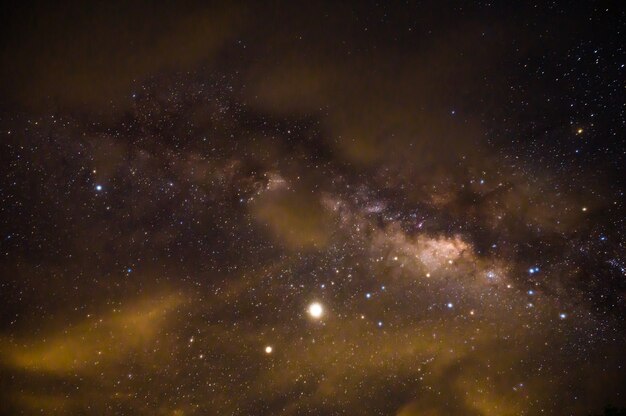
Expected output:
(316, 310)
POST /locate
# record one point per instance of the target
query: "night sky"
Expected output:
(313, 208)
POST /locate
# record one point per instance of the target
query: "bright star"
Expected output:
(316, 310)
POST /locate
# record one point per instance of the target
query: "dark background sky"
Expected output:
(181, 181)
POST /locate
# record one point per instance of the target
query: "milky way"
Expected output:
(313, 209)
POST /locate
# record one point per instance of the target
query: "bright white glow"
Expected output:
(269, 349)
(316, 310)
